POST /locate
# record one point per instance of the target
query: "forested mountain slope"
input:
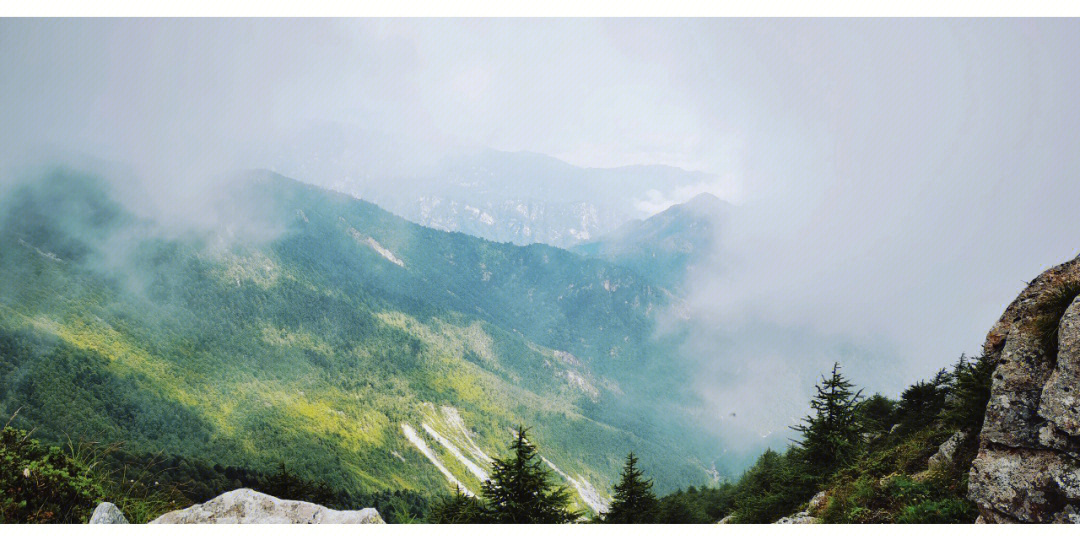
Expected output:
(666, 246)
(314, 329)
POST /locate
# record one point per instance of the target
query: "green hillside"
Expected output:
(665, 246)
(309, 328)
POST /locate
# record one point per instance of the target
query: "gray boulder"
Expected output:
(107, 513)
(1028, 465)
(947, 451)
(802, 518)
(249, 506)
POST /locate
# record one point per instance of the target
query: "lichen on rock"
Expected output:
(1027, 468)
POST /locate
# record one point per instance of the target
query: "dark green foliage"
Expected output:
(949, 510)
(63, 485)
(774, 487)
(887, 481)
(48, 484)
(697, 505)
(897, 498)
(40, 484)
(831, 436)
(1051, 309)
(970, 392)
(877, 414)
(286, 485)
(891, 483)
(633, 501)
(922, 402)
(520, 489)
(458, 508)
(679, 508)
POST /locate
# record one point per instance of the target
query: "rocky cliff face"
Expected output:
(1028, 465)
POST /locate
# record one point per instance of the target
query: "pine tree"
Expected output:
(634, 501)
(832, 435)
(969, 393)
(458, 508)
(520, 490)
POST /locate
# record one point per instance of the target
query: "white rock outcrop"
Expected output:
(107, 513)
(250, 506)
(802, 518)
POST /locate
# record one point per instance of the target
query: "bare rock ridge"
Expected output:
(1028, 465)
(248, 506)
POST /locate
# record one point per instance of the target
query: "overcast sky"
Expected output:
(899, 180)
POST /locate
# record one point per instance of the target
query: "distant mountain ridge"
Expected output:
(664, 247)
(526, 198)
(516, 197)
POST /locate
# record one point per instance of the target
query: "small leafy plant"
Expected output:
(40, 484)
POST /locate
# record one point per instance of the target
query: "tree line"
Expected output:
(864, 451)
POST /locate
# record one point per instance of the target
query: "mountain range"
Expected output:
(517, 197)
(311, 328)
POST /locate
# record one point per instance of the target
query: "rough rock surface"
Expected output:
(947, 451)
(1028, 465)
(802, 518)
(249, 506)
(818, 503)
(107, 513)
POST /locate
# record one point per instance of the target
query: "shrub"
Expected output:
(1051, 309)
(42, 484)
(950, 510)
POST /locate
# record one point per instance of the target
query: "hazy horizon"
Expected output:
(897, 181)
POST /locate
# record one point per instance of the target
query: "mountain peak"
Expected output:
(703, 203)
(663, 246)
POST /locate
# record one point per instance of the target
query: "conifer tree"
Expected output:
(520, 490)
(458, 508)
(832, 435)
(970, 391)
(634, 501)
